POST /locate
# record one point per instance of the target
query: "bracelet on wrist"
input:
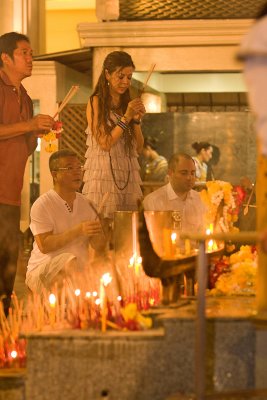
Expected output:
(122, 125)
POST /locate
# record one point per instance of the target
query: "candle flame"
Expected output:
(132, 260)
(173, 237)
(210, 245)
(151, 301)
(13, 354)
(94, 293)
(88, 295)
(209, 230)
(77, 292)
(97, 302)
(52, 299)
(135, 260)
(106, 279)
(119, 298)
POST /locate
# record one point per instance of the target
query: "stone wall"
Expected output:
(12, 384)
(150, 365)
(232, 132)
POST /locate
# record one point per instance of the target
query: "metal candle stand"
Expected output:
(156, 267)
(177, 275)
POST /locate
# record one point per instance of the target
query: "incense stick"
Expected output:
(249, 200)
(147, 78)
(98, 216)
(103, 202)
(67, 98)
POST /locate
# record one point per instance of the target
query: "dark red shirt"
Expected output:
(14, 152)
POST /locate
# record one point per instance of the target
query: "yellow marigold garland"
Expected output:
(52, 136)
(241, 278)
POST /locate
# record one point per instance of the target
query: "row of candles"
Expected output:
(174, 247)
(70, 308)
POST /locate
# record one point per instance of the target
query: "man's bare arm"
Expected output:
(48, 241)
(36, 124)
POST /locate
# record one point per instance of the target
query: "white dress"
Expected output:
(115, 172)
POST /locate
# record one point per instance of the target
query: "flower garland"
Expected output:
(221, 207)
(52, 136)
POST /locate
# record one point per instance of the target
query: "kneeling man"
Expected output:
(178, 194)
(63, 223)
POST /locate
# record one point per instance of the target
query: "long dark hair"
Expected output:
(262, 12)
(113, 61)
(198, 146)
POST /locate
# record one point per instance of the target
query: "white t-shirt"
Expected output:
(51, 213)
(192, 209)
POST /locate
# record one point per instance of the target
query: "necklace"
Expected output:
(114, 178)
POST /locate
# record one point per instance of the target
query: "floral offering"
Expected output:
(221, 206)
(235, 275)
(52, 136)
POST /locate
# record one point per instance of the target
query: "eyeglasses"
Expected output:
(71, 169)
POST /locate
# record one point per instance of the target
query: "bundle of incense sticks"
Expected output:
(73, 90)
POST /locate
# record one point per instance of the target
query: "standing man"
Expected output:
(179, 195)
(18, 139)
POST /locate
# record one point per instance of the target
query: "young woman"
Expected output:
(155, 166)
(203, 156)
(114, 138)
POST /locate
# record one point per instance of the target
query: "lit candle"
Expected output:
(136, 262)
(52, 313)
(211, 245)
(77, 293)
(169, 244)
(13, 358)
(173, 237)
(104, 281)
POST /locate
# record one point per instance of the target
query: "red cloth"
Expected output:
(14, 151)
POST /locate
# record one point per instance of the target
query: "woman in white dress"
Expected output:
(114, 138)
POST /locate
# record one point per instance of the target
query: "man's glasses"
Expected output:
(70, 169)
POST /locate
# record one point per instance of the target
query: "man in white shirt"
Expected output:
(63, 223)
(178, 194)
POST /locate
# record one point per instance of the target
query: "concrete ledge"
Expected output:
(12, 384)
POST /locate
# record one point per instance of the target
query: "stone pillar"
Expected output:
(6, 21)
(107, 10)
(36, 25)
(27, 17)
